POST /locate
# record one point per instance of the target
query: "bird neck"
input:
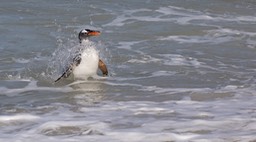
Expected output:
(85, 40)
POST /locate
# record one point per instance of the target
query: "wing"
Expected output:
(76, 61)
(103, 68)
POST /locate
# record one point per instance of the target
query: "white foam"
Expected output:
(163, 73)
(251, 43)
(32, 86)
(128, 45)
(198, 39)
(122, 84)
(120, 19)
(82, 125)
(160, 90)
(229, 32)
(144, 60)
(18, 117)
(21, 60)
(183, 120)
(215, 36)
(153, 137)
(186, 15)
(179, 60)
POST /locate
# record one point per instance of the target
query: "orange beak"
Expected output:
(94, 33)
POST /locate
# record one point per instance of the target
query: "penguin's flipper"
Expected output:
(76, 61)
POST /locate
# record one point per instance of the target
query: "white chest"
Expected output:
(89, 64)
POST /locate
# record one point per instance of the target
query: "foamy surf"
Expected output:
(31, 86)
(18, 118)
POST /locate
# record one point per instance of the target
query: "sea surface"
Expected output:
(179, 70)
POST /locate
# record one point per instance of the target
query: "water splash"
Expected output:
(64, 55)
